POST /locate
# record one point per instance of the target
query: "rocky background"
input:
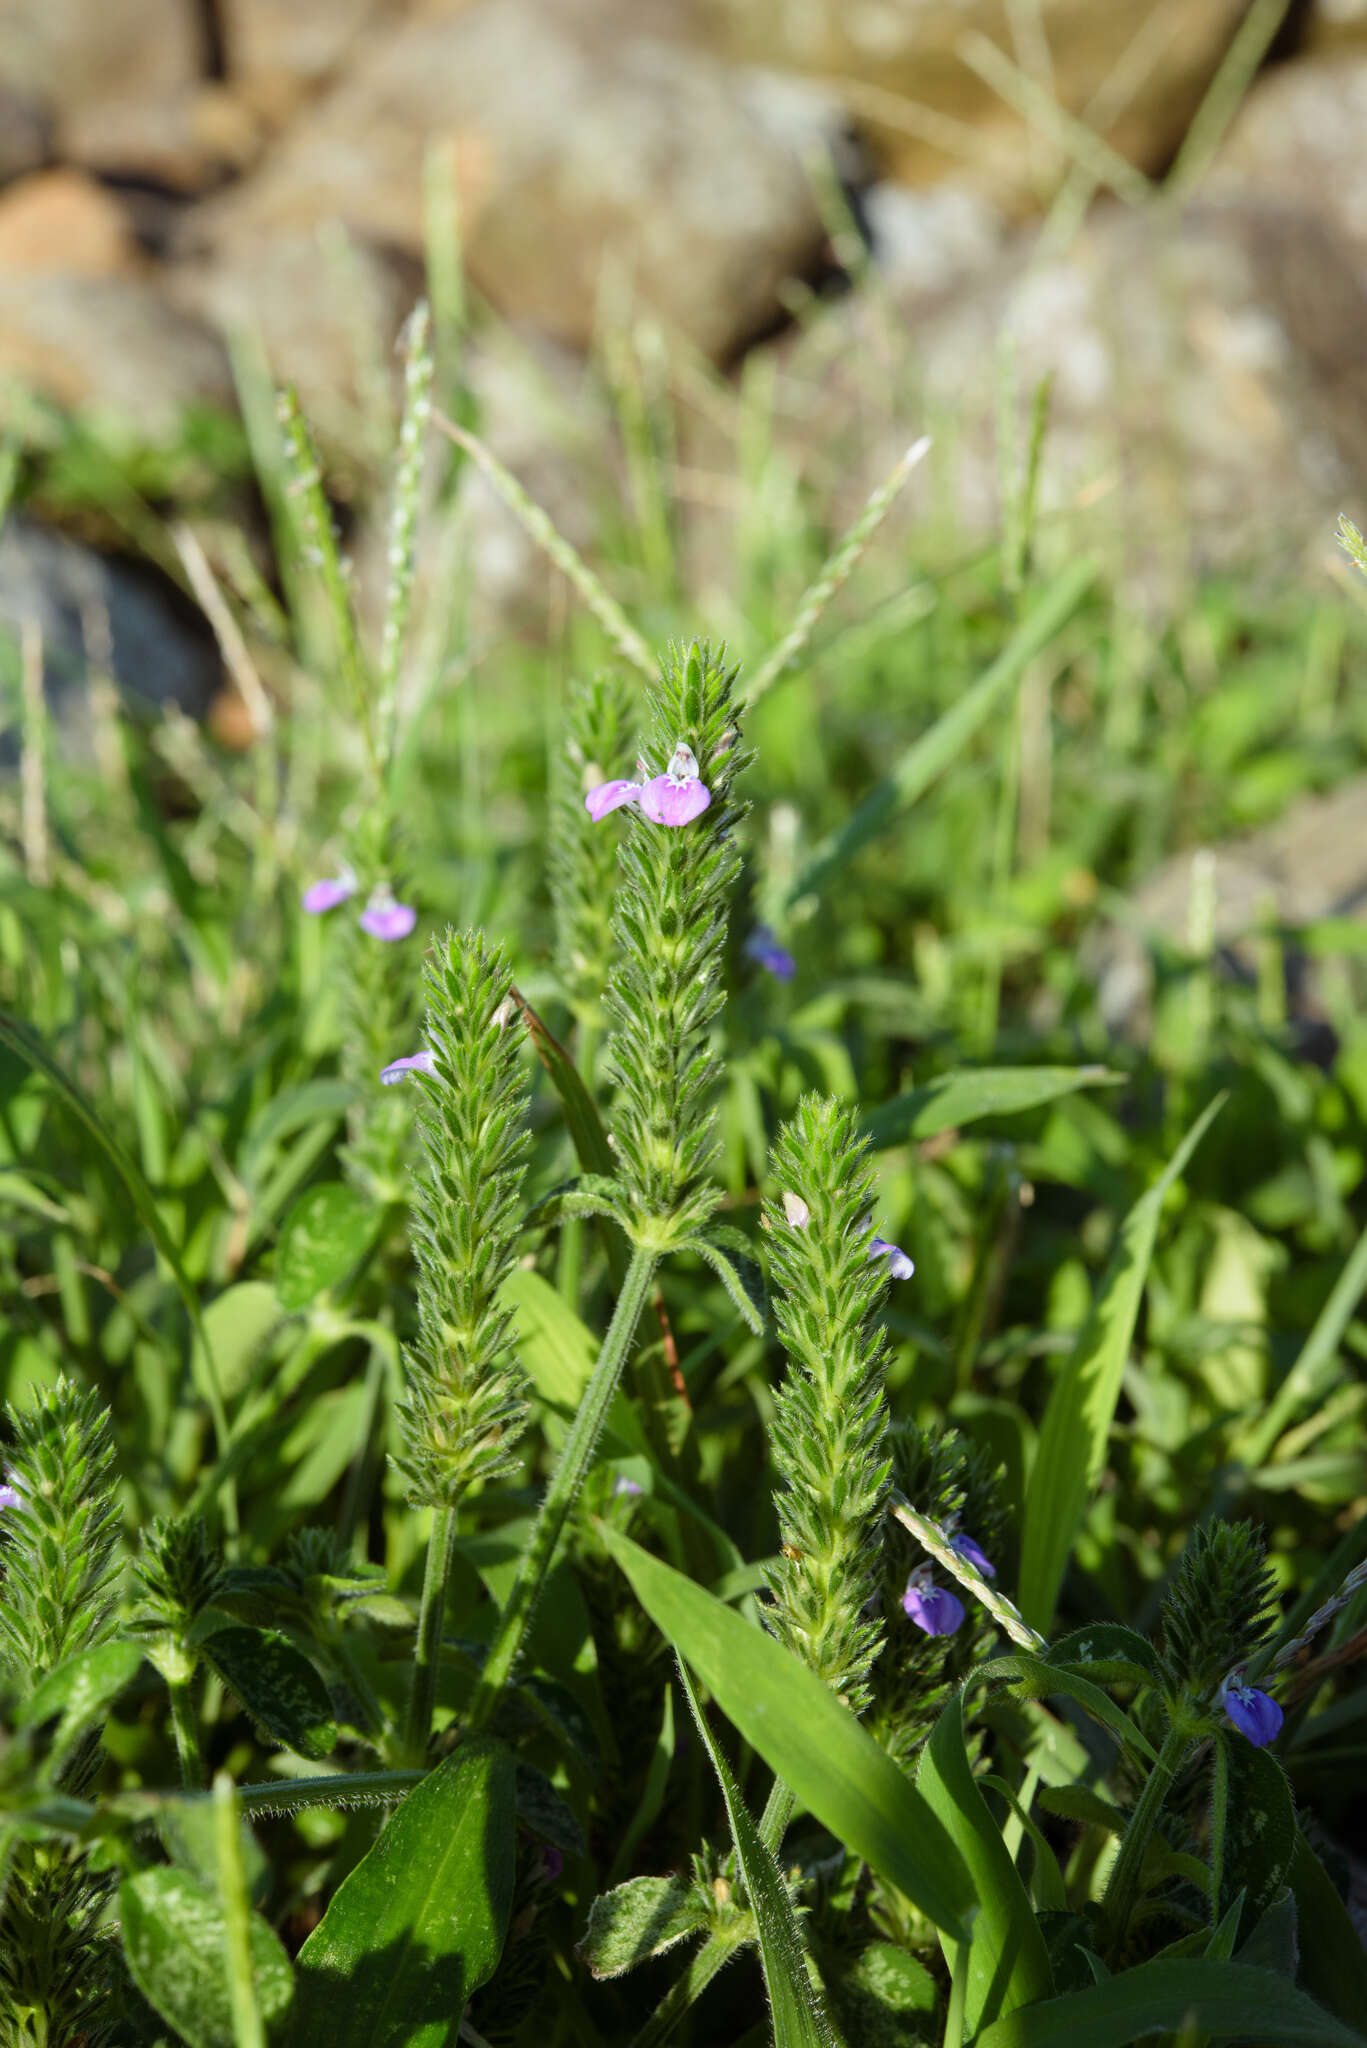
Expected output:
(1036, 188)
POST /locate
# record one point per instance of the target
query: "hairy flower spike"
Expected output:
(670, 926)
(465, 1409)
(600, 727)
(829, 1420)
(1217, 1611)
(57, 1536)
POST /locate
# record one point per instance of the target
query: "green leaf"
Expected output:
(1316, 1369)
(419, 1924)
(1008, 1964)
(963, 1098)
(21, 1041)
(1108, 1651)
(81, 1690)
(323, 1239)
(920, 764)
(277, 1685)
(1333, 1963)
(1260, 1825)
(238, 1325)
(740, 1277)
(799, 2020)
(174, 1939)
(1224, 1999)
(816, 1746)
(1043, 1679)
(637, 1920)
(1077, 1422)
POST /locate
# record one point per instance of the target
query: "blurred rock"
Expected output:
(187, 141)
(585, 150)
(1151, 60)
(1209, 390)
(1311, 864)
(25, 133)
(63, 221)
(1300, 139)
(102, 60)
(928, 241)
(160, 652)
(279, 52)
(111, 345)
(1334, 21)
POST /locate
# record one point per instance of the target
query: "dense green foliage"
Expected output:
(270, 1332)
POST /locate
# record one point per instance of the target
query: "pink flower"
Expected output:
(385, 919)
(610, 796)
(327, 894)
(422, 1062)
(676, 797)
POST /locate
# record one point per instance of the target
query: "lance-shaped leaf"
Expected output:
(81, 1691)
(419, 1924)
(1008, 1964)
(1229, 2000)
(175, 1941)
(277, 1685)
(833, 1765)
(1077, 1421)
(798, 2017)
(964, 1098)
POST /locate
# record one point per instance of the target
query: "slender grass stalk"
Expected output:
(1073, 138)
(563, 1490)
(441, 1549)
(248, 2031)
(1123, 1886)
(1223, 97)
(605, 608)
(34, 833)
(835, 571)
(958, 1567)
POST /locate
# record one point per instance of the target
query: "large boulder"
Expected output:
(1300, 139)
(1135, 69)
(590, 151)
(1208, 399)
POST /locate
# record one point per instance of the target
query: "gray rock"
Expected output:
(1311, 864)
(1300, 141)
(160, 652)
(587, 148)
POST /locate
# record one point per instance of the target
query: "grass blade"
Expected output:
(1077, 1421)
(1220, 1998)
(799, 2021)
(953, 1099)
(929, 756)
(834, 1767)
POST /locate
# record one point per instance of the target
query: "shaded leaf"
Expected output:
(277, 1685)
(637, 1920)
(175, 1941)
(323, 1239)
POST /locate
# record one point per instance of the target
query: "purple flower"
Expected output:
(383, 918)
(423, 1062)
(552, 1863)
(1255, 1714)
(968, 1549)
(676, 797)
(610, 796)
(622, 1485)
(934, 1609)
(326, 895)
(899, 1265)
(10, 1496)
(763, 948)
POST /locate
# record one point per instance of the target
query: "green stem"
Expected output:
(1123, 1887)
(232, 1887)
(187, 1736)
(563, 1490)
(441, 1547)
(778, 1811)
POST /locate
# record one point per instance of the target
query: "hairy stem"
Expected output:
(563, 1490)
(187, 1736)
(1123, 1887)
(440, 1551)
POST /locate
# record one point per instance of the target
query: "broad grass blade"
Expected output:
(953, 1099)
(1077, 1421)
(419, 1924)
(928, 757)
(799, 2021)
(1008, 1964)
(834, 1767)
(1223, 1999)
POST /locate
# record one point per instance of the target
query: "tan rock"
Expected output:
(280, 52)
(78, 53)
(188, 140)
(1334, 21)
(63, 221)
(110, 345)
(1300, 139)
(1135, 68)
(583, 147)
(25, 133)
